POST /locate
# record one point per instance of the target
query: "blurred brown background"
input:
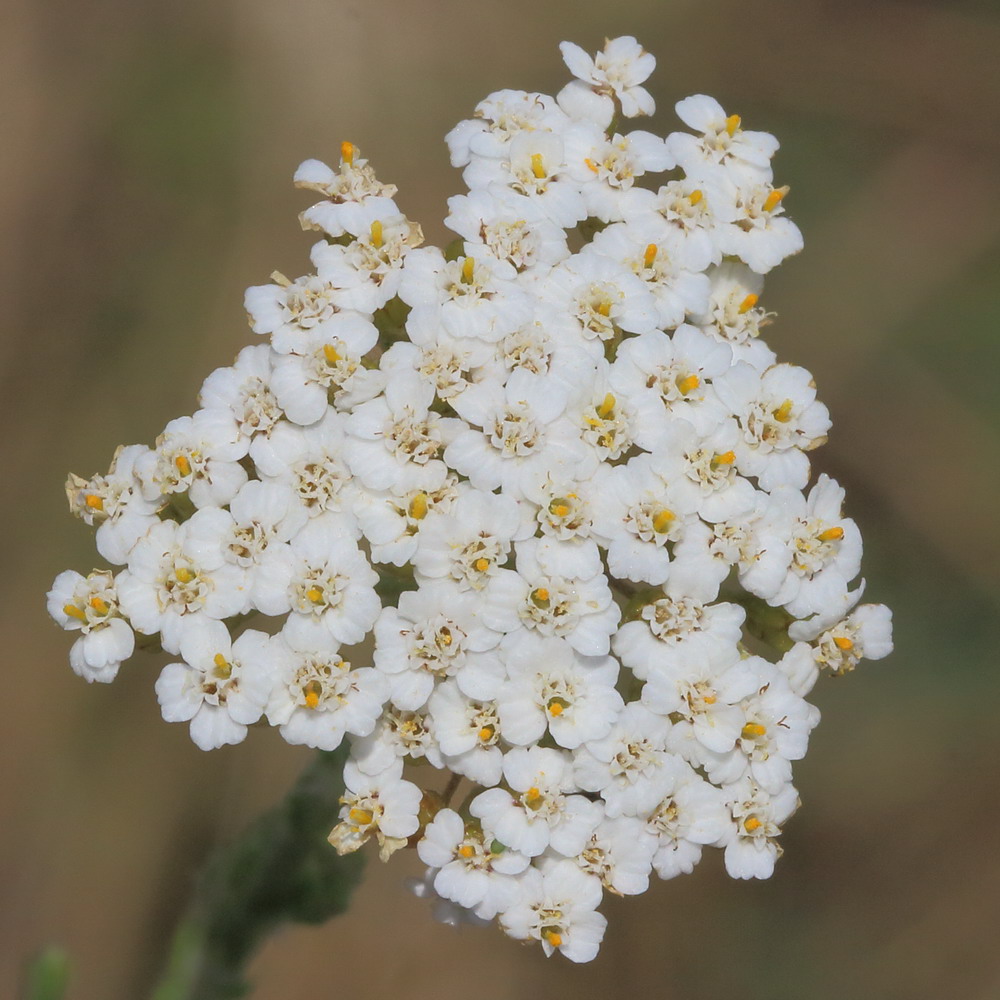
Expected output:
(145, 180)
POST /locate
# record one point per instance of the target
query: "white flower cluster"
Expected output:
(554, 472)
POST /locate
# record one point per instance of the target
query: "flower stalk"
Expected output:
(280, 870)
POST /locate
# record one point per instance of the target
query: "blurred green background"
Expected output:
(145, 180)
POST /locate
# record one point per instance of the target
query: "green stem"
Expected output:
(280, 869)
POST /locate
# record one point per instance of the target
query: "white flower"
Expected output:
(620, 853)
(468, 733)
(676, 631)
(89, 605)
(308, 463)
(115, 504)
(631, 767)
(221, 687)
(392, 519)
(550, 686)
(826, 550)
(497, 119)
(398, 734)
(595, 298)
(538, 812)
(473, 296)
(472, 541)
(197, 455)
(566, 419)
(261, 517)
(382, 806)
(617, 70)
(436, 632)
(756, 819)
(559, 909)
(366, 272)
(775, 733)
(780, 419)
(668, 264)
(476, 871)
(396, 429)
(353, 181)
(669, 377)
(581, 611)
(245, 391)
(511, 226)
(704, 698)
(733, 314)
(722, 143)
(759, 234)
(636, 515)
(534, 165)
(288, 309)
(693, 814)
(523, 433)
(325, 364)
(318, 696)
(178, 573)
(327, 583)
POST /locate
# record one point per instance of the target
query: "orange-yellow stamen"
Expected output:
(784, 412)
(604, 308)
(486, 734)
(537, 165)
(481, 564)
(695, 196)
(312, 692)
(468, 266)
(375, 231)
(843, 643)
(183, 465)
(347, 152)
(184, 574)
(772, 201)
(556, 706)
(418, 507)
(709, 699)
(726, 458)
(732, 124)
(752, 730)
(74, 612)
(662, 520)
(533, 798)
(590, 164)
(649, 257)
(607, 408)
(834, 534)
(94, 502)
(331, 355)
(552, 936)
(315, 594)
(360, 817)
(223, 668)
(101, 607)
(688, 384)
(540, 597)
(466, 850)
(560, 507)
(748, 303)
(751, 823)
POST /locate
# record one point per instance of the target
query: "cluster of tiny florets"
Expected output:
(535, 511)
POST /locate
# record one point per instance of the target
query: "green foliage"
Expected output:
(48, 975)
(280, 870)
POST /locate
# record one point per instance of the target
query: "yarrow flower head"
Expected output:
(537, 510)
